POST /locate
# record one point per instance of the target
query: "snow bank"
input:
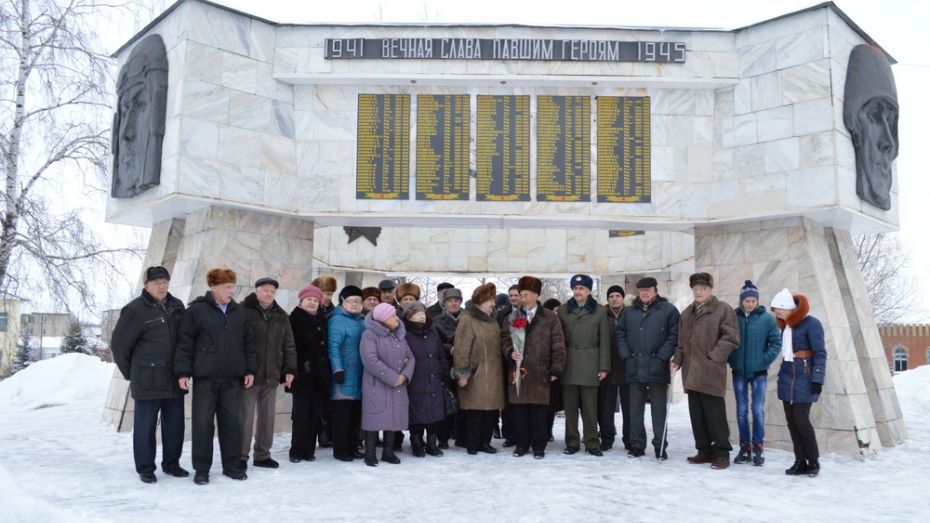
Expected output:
(912, 388)
(19, 505)
(63, 380)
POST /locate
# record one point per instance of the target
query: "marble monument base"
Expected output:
(858, 411)
(252, 244)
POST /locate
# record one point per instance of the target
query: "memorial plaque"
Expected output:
(383, 150)
(442, 147)
(503, 148)
(623, 150)
(624, 233)
(563, 148)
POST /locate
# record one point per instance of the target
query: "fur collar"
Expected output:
(798, 314)
(590, 305)
(477, 313)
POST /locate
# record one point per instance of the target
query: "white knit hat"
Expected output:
(783, 300)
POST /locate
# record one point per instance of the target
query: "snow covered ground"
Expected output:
(59, 462)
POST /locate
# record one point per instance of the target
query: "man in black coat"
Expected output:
(216, 347)
(143, 348)
(647, 334)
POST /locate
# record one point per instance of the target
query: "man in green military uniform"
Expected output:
(588, 335)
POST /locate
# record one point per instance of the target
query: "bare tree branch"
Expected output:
(54, 118)
(882, 261)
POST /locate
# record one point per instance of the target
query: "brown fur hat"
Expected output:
(529, 283)
(371, 292)
(701, 278)
(220, 276)
(325, 283)
(483, 293)
(405, 289)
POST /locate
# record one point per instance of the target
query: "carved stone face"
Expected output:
(870, 111)
(876, 142)
(139, 122)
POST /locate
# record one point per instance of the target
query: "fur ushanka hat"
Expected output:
(483, 293)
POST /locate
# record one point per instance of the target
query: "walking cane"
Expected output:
(668, 405)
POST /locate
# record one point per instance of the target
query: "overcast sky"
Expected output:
(897, 25)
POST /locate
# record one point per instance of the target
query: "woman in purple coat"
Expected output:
(427, 399)
(388, 368)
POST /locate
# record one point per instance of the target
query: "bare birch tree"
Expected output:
(882, 260)
(55, 85)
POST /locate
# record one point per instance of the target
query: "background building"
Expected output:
(906, 346)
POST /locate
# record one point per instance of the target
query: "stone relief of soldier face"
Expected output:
(870, 111)
(876, 143)
(139, 122)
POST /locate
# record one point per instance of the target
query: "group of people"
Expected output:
(365, 365)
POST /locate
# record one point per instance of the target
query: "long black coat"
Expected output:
(143, 346)
(274, 342)
(646, 340)
(427, 402)
(213, 345)
(314, 372)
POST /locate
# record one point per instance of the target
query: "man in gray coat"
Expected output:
(647, 334)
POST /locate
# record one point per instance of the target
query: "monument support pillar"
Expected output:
(254, 245)
(858, 410)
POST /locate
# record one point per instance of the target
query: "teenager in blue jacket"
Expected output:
(760, 344)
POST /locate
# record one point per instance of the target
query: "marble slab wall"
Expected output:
(503, 251)
(797, 254)
(749, 127)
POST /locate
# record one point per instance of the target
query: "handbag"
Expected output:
(451, 401)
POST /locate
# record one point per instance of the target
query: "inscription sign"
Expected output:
(442, 147)
(383, 147)
(623, 150)
(503, 148)
(503, 49)
(563, 148)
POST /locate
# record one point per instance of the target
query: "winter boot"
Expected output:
(371, 450)
(387, 451)
(431, 448)
(813, 468)
(758, 458)
(798, 469)
(745, 454)
(416, 445)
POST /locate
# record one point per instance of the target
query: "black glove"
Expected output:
(339, 377)
(816, 388)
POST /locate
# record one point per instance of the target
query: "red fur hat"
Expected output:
(220, 276)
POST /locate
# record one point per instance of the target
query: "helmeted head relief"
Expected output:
(139, 122)
(870, 112)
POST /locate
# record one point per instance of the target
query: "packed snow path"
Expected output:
(59, 462)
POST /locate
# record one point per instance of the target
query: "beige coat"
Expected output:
(476, 355)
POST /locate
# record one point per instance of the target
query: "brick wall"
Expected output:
(914, 338)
